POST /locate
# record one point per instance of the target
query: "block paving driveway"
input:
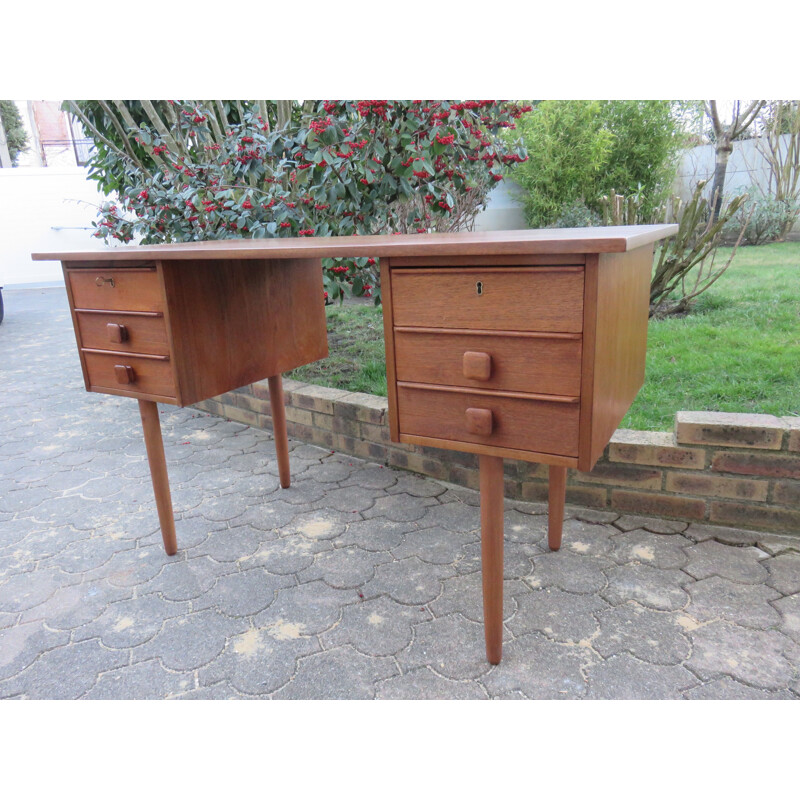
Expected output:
(358, 582)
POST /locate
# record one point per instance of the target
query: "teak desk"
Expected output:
(508, 344)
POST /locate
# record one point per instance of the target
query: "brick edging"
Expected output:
(739, 470)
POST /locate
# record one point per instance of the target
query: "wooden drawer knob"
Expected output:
(477, 366)
(479, 421)
(124, 373)
(117, 333)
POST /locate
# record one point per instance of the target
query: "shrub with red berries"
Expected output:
(347, 167)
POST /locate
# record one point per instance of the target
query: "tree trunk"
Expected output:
(722, 153)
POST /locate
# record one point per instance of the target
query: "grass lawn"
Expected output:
(739, 350)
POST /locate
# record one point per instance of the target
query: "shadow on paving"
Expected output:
(359, 581)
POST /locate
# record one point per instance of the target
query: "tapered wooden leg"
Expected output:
(279, 428)
(158, 473)
(557, 480)
(491, 479)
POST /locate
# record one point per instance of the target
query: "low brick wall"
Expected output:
(739, 470)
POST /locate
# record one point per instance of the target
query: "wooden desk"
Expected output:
(509, 344)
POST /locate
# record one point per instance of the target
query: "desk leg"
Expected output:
(158, 473)
(491, 480)
(278, 408)
(557, 491)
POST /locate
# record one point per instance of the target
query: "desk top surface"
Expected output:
(612, 239)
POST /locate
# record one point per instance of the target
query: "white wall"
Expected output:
(503, 211)
(34, 204)
(746, 167)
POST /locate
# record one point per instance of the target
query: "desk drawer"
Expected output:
(512, 422)
(490, 298)
(131, 289)
(128, 332)
(521, 363)
(130, 373)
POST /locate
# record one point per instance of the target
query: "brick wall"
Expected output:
(739, 470)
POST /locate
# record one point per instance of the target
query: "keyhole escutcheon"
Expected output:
(479, 287)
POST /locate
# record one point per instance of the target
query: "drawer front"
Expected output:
(133, 289)
(128, 333)
(519, 424)
(510, 363)
(500, 298)
(132, 374)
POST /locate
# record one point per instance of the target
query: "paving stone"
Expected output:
(75, 605)
(401, 508)
(302, 492)
(377, 627)
(416, 486)
(190, 641)
(464, 594)
(342, 673)
(323, 524)
(517, 559)
(269, 517)
(728, 689)
(540, 669)
(344, 567)
(592, 515)
(242, 594)
(699, 532)
(432, 545)
(64, 673)
(21, 644)
(187, 579)
(29, 589)
(145, 681)
(745, 604)
(521, 527)
(350, 499)
(755, 658)
(134, 567)
(784, 573)
(232, 544)
(644, 547)
(424, 684)
(131, 622)
(569, 571)
(789, 610)
(409, 581)
(467, 497)
(332, 471)
(453, 646)
(585, 538)
(659, 589)
(775, 544)
(287, 555)
(375, 535)
(456, 517)
(259, 661)
(373, 476)
(305, 610)
(87, 554)
(219, 691)
(656, 637)
(560, 616)
(623, 677)
(740, 564)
